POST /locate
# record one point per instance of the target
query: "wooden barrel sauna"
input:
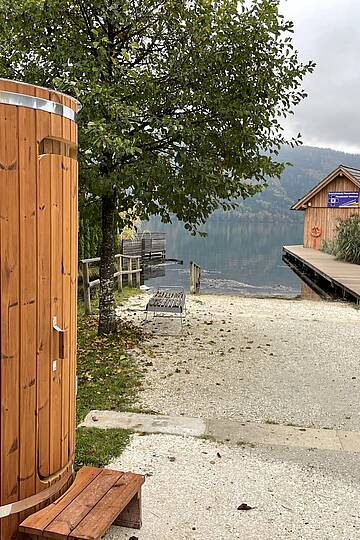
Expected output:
(38, 280)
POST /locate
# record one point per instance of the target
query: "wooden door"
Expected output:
(55, 357)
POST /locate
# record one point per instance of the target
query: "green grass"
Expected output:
(97, 447)
(108, 379)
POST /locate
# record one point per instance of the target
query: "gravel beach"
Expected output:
(272, 361)
(260, 360)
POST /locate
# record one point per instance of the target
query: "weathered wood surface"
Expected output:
(127, 266)
(344, 275)
(145, 245)
(97, 499)
(326, 219)
(317, 213)
(195, 278)
(38, 235)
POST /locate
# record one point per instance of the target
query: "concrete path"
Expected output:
(194, 488)
(230, 431)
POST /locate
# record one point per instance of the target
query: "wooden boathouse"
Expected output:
(335, 198)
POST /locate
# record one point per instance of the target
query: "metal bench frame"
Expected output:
(167, 302)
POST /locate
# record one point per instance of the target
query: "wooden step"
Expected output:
(97, 499)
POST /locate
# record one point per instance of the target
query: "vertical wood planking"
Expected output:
(38, 208)
(44, 295)
(66, 273)
(326, 218)
(73, 297)
(9, 223)
(56, 311)
(28, 300)
(56, 295)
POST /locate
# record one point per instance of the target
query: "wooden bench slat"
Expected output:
(97, 499)
(107, 510)
(36, 523)
(75, 512)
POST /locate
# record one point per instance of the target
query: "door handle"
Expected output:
(62, 334)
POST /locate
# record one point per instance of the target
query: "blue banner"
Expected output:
(343, 199)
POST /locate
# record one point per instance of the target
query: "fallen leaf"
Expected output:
(244, 506)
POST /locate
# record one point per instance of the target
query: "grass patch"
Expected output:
(96, 447)
(108, 379)
(122, 296)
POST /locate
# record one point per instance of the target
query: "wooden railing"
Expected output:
(195, 275)
(126, 266)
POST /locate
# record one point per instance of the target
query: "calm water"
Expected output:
(237, 258)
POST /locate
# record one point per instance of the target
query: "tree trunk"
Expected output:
(107, 316)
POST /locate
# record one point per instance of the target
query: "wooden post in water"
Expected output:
(195, 275)
(38, 300)
(86, 287)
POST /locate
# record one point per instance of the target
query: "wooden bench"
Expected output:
(97, 499)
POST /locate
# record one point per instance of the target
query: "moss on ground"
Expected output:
(108, 379)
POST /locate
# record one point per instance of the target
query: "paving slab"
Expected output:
(350, 440)
(146, 423)
(231, 431)
(274, 435)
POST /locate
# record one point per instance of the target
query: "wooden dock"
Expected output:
(337, 278)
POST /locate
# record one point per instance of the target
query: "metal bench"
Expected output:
(167, 300)
(97, 499)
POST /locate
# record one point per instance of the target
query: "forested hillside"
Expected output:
(310, 165)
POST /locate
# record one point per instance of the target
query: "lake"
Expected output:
(236, 257)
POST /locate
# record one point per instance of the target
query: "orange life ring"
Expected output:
(316, 231)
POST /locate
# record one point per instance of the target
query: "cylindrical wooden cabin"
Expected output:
(38, 280)
(335, 198)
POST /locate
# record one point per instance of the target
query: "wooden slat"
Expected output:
(97, 522)
(75, 512)
(38, 522)
(66, 284)
(10, 298)
(56, 309)
(44, 293)
(28, 298)
(73, 301)
(44, 312)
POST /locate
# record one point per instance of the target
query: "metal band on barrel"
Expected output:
(37, 103)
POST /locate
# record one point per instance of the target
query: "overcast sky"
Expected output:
(328, 32)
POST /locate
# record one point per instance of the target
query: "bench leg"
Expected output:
(131, 515)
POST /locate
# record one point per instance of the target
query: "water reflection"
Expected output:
(236, 257)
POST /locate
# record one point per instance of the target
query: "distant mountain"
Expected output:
(310, 166)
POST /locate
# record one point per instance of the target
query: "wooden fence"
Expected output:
(126, 266)
(195, 275)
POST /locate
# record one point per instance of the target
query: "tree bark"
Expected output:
(107, 315)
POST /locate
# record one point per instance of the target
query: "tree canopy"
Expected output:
(182, 101)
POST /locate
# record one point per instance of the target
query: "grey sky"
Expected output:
(327, 31)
